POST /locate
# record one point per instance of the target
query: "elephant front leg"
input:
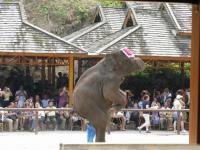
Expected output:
(119, 100)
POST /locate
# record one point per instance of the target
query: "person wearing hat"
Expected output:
(178, 104)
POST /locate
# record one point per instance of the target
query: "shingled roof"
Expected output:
(156, 36)
(110, 21)
(150, 29)
(18, 35)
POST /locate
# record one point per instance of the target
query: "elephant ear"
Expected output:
(112, 59)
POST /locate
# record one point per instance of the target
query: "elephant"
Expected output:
(98, 89)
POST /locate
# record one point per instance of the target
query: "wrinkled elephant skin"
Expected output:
(98, 89)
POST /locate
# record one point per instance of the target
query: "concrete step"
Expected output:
(100, 146)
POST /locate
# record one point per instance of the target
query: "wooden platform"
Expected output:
(127, 147)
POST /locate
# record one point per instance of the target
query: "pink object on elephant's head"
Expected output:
(128, 52)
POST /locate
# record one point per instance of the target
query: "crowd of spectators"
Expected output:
(159, 100)
(24, 97)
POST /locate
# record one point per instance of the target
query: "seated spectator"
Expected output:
(45, 101)
(41, 118)
(51, 116)
(165, 118)
(12, 118)
(4, 118)
(155, 119)
(37, 99)
(119, 116)
(62, 118)
(135, 115)
(75, 120)
(24, 118)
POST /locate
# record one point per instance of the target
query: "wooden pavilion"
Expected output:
(22, 43)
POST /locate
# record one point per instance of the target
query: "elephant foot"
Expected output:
(100, 134)
(100, 140)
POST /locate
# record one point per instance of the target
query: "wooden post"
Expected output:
(43, 70)
(194, 130)
(178, 122)
(183, 75)
(79, 67)
(71, 79)
(49, 72)
(53, 73)
(36, 122)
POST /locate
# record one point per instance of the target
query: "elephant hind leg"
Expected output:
(100, 134)
(100, 123)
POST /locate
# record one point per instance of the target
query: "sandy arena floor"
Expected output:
(50, 140)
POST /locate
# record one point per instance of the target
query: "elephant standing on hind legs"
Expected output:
(98, 89)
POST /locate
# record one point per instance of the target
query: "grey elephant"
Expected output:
(98, 89)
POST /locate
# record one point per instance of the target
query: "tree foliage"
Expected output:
(63, 17)
(156, 79)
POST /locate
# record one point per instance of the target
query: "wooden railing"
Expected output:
(71, 109)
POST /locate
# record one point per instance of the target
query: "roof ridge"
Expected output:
(113, 7)
(42, 30)
(172, 16)
(9, 2)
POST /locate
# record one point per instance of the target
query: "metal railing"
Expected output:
(36, 110)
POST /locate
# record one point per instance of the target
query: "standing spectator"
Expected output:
(59, 80)
(166, 94)
(22, 96)
(7, 94)
(45, 101)
(146, 116)
(1, 98)
(28, 84)
(129, 99)
(63, 97)
(178, 104)
(65, 80)
(158, 97)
